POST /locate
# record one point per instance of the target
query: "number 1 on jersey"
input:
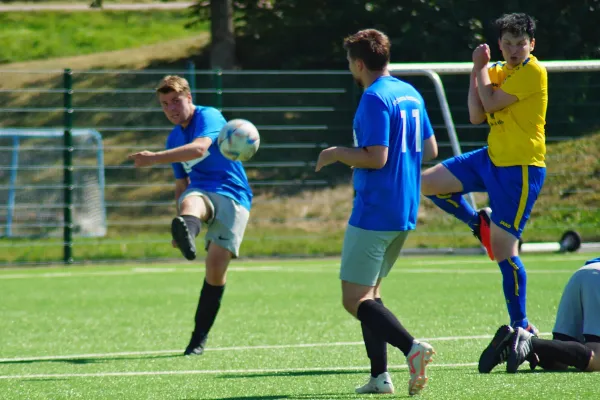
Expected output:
(415, 115)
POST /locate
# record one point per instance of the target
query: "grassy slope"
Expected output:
(313, 221)
(31, 36)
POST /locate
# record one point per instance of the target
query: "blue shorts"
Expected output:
(512, 190)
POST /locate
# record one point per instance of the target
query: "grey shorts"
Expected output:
(228, 222)
(369, 255)
(579, 309)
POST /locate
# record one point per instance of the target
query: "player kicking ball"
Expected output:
(210, 190)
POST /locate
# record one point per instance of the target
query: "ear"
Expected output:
(532, 44)
(500, 44)
(360, 64)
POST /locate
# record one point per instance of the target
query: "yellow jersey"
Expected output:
(517, 135)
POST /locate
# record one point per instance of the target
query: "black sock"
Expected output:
(552, 353)
(193, 224)
(376, 349)
(208, 307)
(381, 322)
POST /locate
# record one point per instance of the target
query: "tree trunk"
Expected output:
(222, 54)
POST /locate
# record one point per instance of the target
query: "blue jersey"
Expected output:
(211, 172)
(391, 113)
(592, 261)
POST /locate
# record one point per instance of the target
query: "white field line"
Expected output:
(311, 268)
(222, 371)
(235, 348)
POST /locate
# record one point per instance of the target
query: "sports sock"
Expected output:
(208, 307)
(555, 352)
(514, 284)
(381, 322)
(376, 349)
(455, 204)
(193, 224)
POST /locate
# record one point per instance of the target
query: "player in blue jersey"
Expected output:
(576, 333)
(392, 136)
(209, 189)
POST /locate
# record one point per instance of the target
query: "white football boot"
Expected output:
(420, 355)
(381, 384)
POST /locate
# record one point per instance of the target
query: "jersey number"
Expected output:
(415, 115)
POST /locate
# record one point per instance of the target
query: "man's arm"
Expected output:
(430, 148)
(476, 111)
(371, 157)
(191, 151)
(492, 100)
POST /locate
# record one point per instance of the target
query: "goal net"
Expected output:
(32, 183)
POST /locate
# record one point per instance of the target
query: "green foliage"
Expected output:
(32, 36)
(307, 34)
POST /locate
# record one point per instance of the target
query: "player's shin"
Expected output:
(376, 349)
(514, 285)
(208, 307)
(381, 320)
(455, 204)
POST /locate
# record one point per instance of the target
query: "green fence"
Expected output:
(296, 211)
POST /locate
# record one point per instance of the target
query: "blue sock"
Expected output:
(514, 283)
(455, 204)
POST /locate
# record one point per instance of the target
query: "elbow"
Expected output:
(476, 120)
(378, 163)
(197, 152)
(490, 108)
(430, 155)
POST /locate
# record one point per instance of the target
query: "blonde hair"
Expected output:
(173, 83)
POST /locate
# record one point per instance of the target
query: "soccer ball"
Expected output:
(239, 140)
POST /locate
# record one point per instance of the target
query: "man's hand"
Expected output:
(143, 158)
(481, 56)
(327, 157)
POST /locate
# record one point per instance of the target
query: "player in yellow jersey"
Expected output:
(512, 96)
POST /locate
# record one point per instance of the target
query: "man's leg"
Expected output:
(223, 239)
(217, 261)
(359, 301)
(194, 208)
(445, 190)
(594, 346)
(555, 354)
(376, 348)
(514, 278)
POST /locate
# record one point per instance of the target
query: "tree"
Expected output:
(222, 53)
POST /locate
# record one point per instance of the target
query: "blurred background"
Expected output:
(89, 69)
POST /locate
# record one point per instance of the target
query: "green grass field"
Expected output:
(39, 36)
(118, 332)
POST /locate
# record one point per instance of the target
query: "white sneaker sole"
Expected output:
(417, 367)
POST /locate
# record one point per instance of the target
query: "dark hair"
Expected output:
(517, 24)
(371, 46)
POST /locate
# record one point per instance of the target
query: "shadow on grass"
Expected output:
(316, 396)
(89, 360)
(291, 373)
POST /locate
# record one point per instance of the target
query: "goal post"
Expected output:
(32, 200)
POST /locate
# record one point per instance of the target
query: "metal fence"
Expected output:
(296, 211)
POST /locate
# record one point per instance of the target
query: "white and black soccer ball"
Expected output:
(239, 140)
